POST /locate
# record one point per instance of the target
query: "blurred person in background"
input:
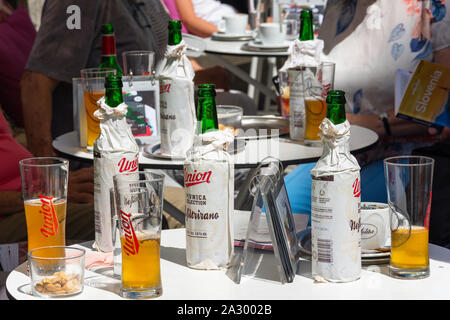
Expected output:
(59, 53)
(201, 17)
(80, 197)
(369, 40)
(17, 35)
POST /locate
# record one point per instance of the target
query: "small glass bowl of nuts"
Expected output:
(56, 271)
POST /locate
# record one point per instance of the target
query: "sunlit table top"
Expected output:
(182, 283)
(287, 151)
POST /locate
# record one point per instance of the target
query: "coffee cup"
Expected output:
(271, 33)
(375, 227)
(234, 24)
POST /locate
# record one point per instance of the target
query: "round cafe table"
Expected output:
(250, 157)
(287, 151)
(190, 286)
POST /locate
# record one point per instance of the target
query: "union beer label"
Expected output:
(127, 165)
(50, 226)
(194, 178)
(131, 244)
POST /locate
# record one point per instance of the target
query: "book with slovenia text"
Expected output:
(424, 95)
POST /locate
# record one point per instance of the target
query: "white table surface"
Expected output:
(286, 150)
(183, 283)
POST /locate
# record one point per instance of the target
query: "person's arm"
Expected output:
(36, 94)
(80, 187)
(398, 126)
(194, 24)
(10, 202)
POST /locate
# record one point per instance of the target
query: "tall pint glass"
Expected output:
(93, 81)
(140, 206)
(317, 82)
(409, 182)
(44, 190)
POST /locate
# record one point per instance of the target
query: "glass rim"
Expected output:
(158, 176)
(230, 107)
(328, 63)
(62, 161)
(390, 161)
(138, 52)
(82, 253)
(95, 71)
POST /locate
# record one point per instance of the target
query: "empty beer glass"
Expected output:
(44, 191)
(138, 63)
(409, 182)
(139, 208)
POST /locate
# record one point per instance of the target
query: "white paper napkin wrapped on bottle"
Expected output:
(177, 105)
(335, 208)
(304, 53)
(209, 188)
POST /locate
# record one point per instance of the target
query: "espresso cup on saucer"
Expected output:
(271, 33)
(375, 226)
(234, 24)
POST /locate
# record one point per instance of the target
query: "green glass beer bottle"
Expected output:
(207, 112)
(113, 90)
(109, 58)
(306, 25)
(336, 106)
(174, 32)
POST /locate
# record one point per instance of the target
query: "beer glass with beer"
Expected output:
(44, 191)
(317, 82)
(409, 182)
(93, 81)
(284, 93)
(140, 205)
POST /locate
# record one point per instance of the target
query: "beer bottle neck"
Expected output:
(207, 113)
(109, 58)
(336, 113)
(108, 45)
(175, 36)
(113, 92)
(306, 26)
(336, 106)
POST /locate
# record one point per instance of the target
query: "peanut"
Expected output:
(60, 283)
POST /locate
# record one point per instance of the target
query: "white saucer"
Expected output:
(260, 45)
(232, 36)
(153, 151)
(374, 253)
(367, 256)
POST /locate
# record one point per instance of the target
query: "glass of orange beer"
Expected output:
(139, 210)
(284, 93)
(409, 182)
(44, 191)
(317, 82)
(93, 81)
